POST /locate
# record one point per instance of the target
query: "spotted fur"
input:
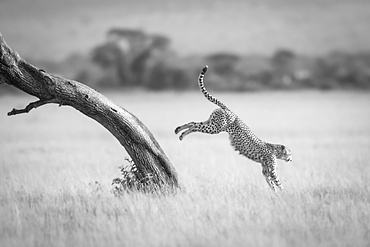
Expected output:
(241, 137)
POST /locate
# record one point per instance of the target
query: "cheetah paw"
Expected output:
(177, 130)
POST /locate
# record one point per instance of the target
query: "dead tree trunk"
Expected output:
(133, 135)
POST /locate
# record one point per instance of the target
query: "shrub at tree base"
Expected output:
(131, 180)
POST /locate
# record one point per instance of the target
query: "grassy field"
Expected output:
(51, 158)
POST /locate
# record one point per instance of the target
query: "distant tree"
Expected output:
(158, 79)
(283, 61)
(131, 54)
(223, 63)
(145, 60)
(283, 58)
(135, 39)
(111, 58)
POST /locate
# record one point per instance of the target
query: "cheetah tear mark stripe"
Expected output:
(205, 92)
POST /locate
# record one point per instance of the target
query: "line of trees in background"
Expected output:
(132, 58)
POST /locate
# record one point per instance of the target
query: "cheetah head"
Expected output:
(283, 153)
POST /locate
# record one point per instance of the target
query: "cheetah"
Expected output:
(242, 138)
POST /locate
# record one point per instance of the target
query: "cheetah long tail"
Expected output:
(205, 92)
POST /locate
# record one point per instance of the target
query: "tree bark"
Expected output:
(133, 135)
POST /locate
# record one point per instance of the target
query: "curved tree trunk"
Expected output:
(133, 135)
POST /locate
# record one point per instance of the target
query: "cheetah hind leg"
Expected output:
(183, 127)
(203, 127)
(207, 127)
(189, 128)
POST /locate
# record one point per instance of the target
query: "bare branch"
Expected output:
(133, 135)
(31, 106)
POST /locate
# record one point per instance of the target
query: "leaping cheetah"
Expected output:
(241, 137)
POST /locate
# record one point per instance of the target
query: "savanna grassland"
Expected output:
(56, 167)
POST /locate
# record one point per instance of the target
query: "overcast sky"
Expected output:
(54, 29)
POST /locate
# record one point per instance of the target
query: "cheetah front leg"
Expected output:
(269, 171)
(275, 178)
(266, 174)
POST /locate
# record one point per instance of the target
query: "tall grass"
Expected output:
(56, 167)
